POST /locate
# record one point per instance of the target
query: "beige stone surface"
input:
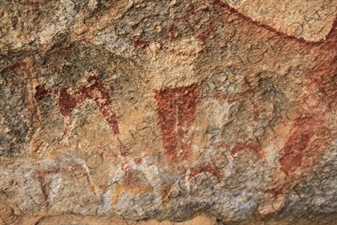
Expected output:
(311, 20)
(199, 220)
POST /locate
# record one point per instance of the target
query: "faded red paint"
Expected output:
(42, 173)
(205, 34)
(129, 178)
(255, 146)
(69, 101)
(33, 4)
(138, 161)
(187, 15)
(176, 113)
(173, 33)
(40, 92)
(247, 94)
(106, 152)
(71, 98)
(43, 185)
(14, 66)
(302, 143)
(249, 20)
(308, 137)
(140, 43)
(122, 148)
(205, 169)
(222, 145)
(255, 110)
(99, 94)
(296, 145)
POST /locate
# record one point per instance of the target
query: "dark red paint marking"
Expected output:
(296, 160)
(140, 43)
(255, 110)
(68, 100)
(187, 15)
(99, 94)
(302, 141)
(106, 152)
(14, 66)
(42, 173)
(307, 138)
(205, 169)
(173, 33)
(43, 185)
(129, 177)
(33, 4)
(256, 23)
(255, 146)
(71, 98)
(222, 145)
(138, 161)
(205, 34)
(40, 92)
(176, 112)
(225, 97)
(122, 148)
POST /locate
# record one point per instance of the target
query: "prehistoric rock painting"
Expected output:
(176, 112)
(74, 98)
(42, 173)
(166, 110)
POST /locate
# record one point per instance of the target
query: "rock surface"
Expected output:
(139, 111)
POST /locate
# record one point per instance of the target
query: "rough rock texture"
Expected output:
(122, 111)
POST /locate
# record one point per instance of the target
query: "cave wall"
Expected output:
(140, 111)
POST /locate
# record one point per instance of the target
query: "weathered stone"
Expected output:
(146, 111)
